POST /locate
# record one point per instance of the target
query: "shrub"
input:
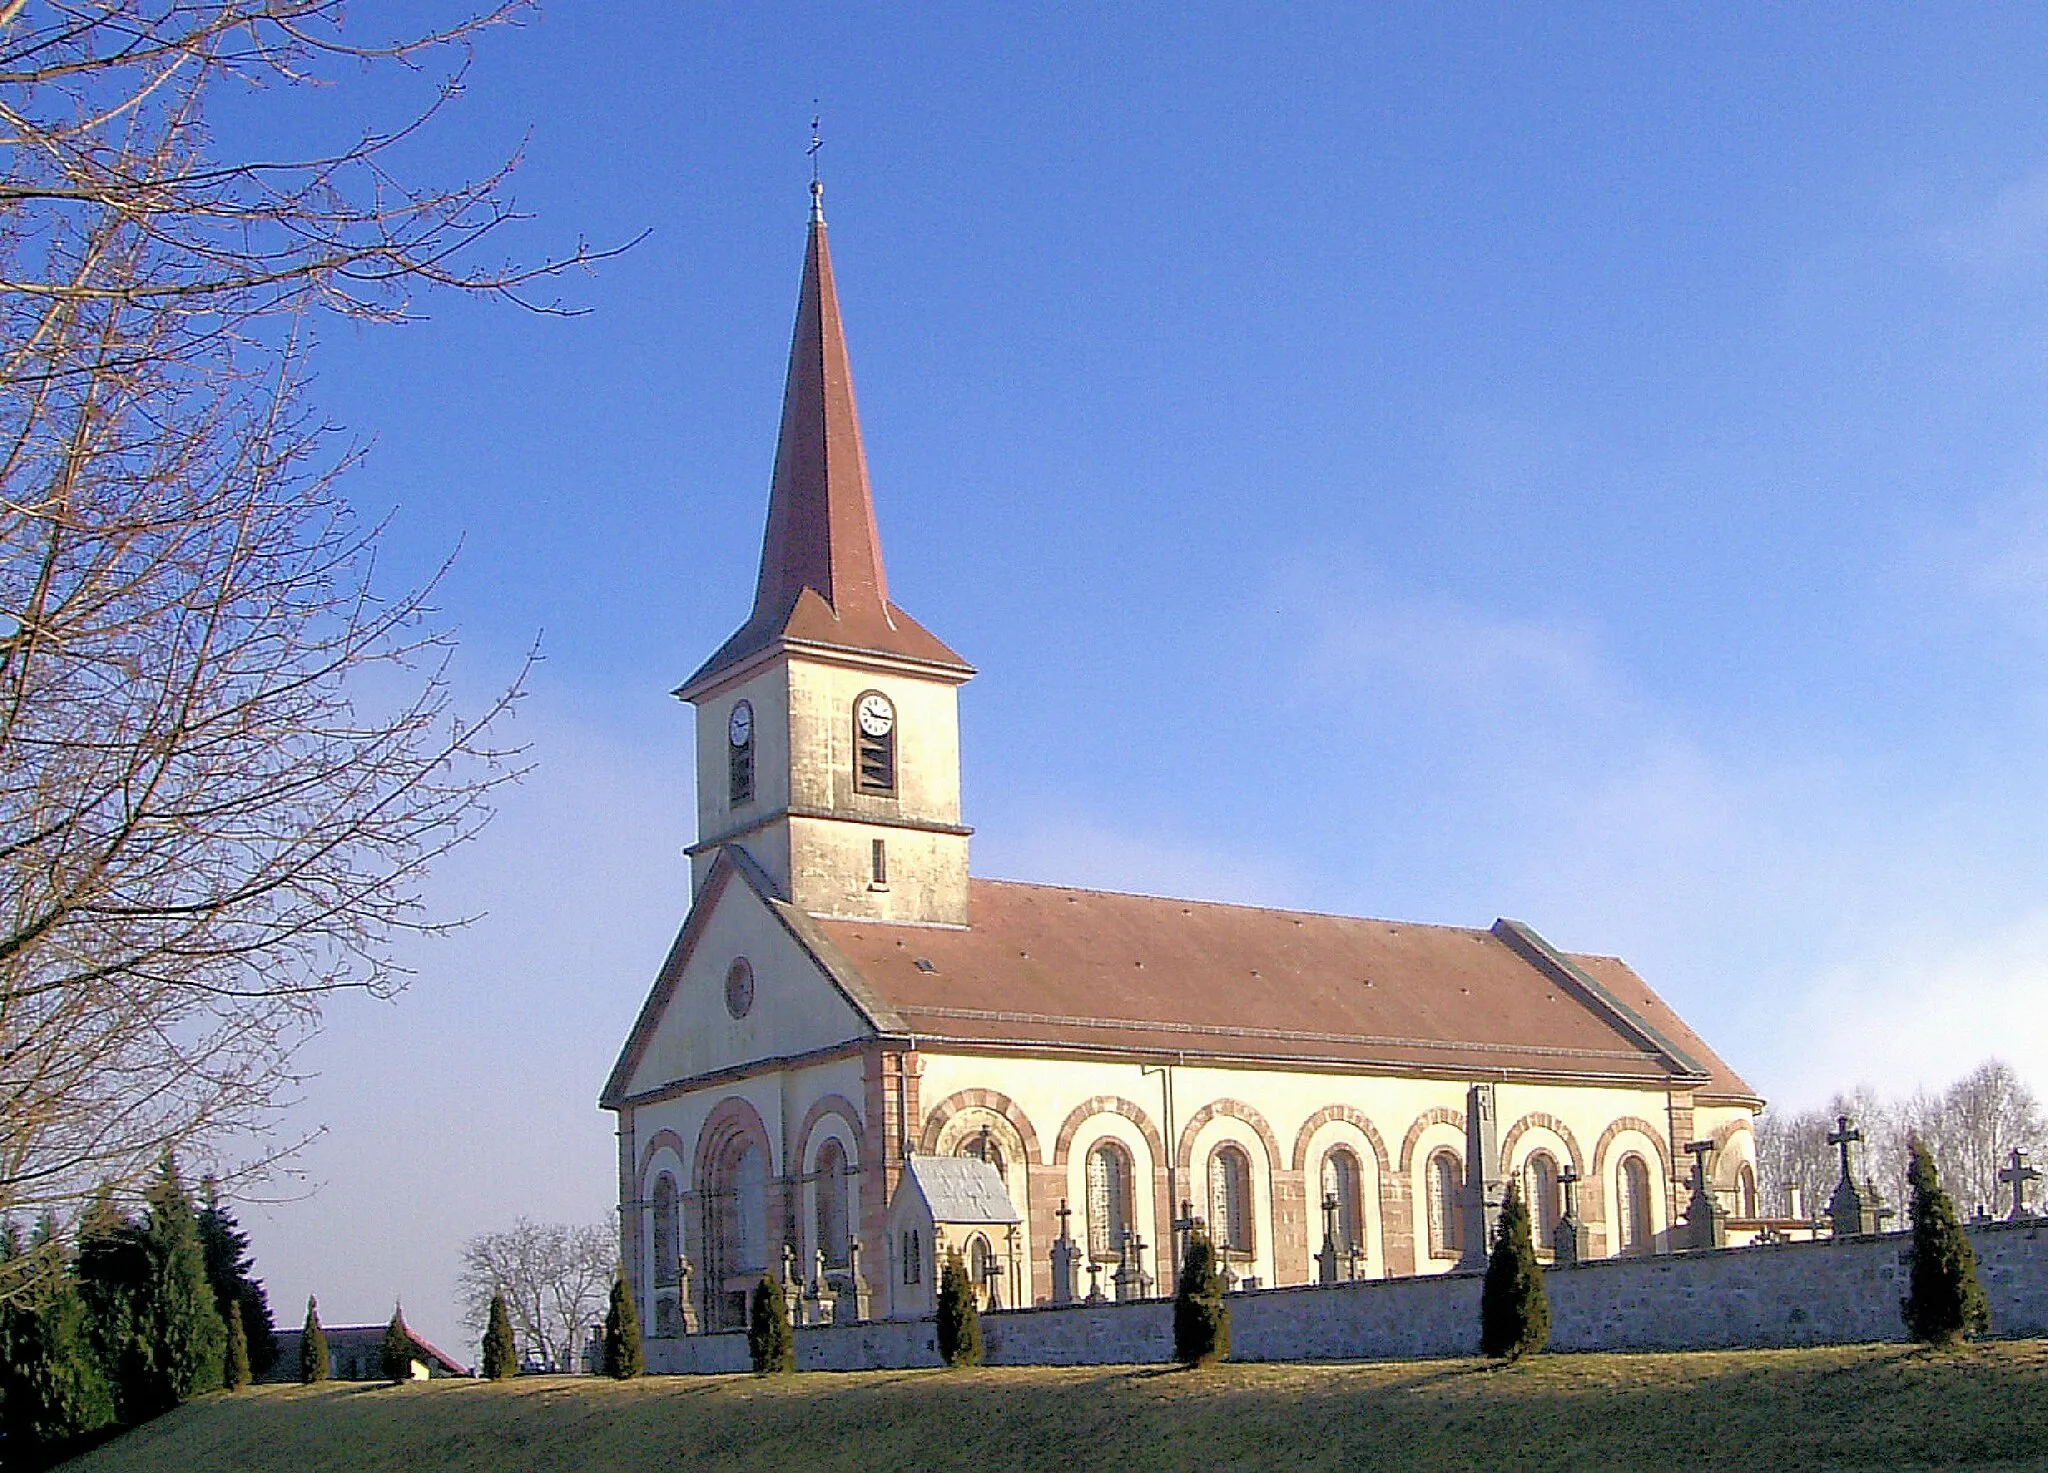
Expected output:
(624, 1358)
(312, 1346)
(771, 1344)
(1514, 1307)
(398, 1351)
(1201, 1320)
(959, 1321)
(1944, 1302)
(501, 1351)
(236, 1373)
(52, 1393)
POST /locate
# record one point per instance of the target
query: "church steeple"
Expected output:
(821, 578)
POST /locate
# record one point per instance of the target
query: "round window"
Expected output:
(739, 988)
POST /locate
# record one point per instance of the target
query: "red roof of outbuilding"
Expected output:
(822, 579)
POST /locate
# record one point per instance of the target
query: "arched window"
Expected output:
(1446, 1222)
(983, 1146)
(1341, 1179)
(737, 1244)
(1230, 1198)
(1540, 1191)
(981, 1268)
(831, 1191)
(874, 743)
(1745, 1191)
(1109, 1201)
(1633, 1209)
(667, 1240)
(913, 1257)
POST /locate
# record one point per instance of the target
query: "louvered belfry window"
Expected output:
(874, 744)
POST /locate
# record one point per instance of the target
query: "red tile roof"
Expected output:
(821, 578)
(1047, 966)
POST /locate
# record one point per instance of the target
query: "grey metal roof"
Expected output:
(963, 1190)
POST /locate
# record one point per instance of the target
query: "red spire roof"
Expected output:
(821, 577)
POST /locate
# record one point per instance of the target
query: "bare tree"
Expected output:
(227, 758)
(555, 1278)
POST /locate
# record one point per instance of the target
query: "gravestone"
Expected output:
(686, 1304)
(1484, 1186)
(1066, 1257)
(1706, 1225)
(1570, 1241)
(1849, 1215)
(2017, 1175)
(854, 1304)
(1326, 1261)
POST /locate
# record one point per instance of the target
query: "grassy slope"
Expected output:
(1857, 1407)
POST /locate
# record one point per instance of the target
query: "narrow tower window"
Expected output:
(874, 744)
(739, 739)
(881, 863)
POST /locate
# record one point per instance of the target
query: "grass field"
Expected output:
(1854, 1407)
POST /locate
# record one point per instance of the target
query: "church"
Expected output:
(858, 1057)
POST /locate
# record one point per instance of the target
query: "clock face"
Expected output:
(876, 714)
(740, 728)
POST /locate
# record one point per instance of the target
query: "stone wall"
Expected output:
(1785, 1295)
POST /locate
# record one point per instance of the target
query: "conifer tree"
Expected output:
(52, 1392)
(236, 1374)
(185, 1342)
(771, 1344)
(1514, 1306)
(397, 1354)
(501, 1350)
(1944, 1302)
(959, 1321)
(624, 1356)
(312, 1346)
(112, 1269)
(1201, 1320)
(228, 1270)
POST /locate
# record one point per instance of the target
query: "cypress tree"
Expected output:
(112, 1269)
(312, 1346)
(959, 1321)
(771, 1344)
(185, 1340)
(1201, 1320)
(235, 1375)
(624, 1357)
(1514, 1306)
(52, 1393)
(501, 1350)
(397, 1355)
(228, 1270)
(1944, 1302)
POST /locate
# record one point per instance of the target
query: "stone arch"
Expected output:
(1322, 1117)
(731, 1116)
(828, 1105)
(655, 1142)
(1538, 1120)
(1232, 1110)
(1435, 1115)
(997, 1103)
(1636, 1123)
(1724, 1174)
(1082, 1113)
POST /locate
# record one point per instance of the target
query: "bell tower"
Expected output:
(828, 729)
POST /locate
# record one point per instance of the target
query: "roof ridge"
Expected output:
(1283, 910)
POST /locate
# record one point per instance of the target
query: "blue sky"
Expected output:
(1584, 465)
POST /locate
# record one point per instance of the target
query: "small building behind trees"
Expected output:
(356, 1353)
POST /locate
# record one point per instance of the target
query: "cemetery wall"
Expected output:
(1787, 1294)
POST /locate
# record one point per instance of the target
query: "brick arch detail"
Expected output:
(826, 1105)
(1636, 1123)
(1082, 1113)
(731, 1116)
(1538, 1120)
(1230, 1110)
(662, 1137)
(1435, 1115)
(1349, 1116)
(1727, 1132)
(997, 1103)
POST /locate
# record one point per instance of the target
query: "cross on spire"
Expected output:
(817, 185)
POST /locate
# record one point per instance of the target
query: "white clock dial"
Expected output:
(740, 728)
(876, 715)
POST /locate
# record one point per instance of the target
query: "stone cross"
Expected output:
(1568, 1243)
(1847, 1213)
(2017, 1175)
(789, 1277)
(1094, 1282)
(1066, 1254)
(1326, 1261)
(1483, 1183)
(859, 1309)
(1183, 1225)
(1126, 1276)
(1705, 1226)
(1844, 1135)
(686, 1307)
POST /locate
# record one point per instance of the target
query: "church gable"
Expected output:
(744, 982)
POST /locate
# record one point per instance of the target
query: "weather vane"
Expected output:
(816, 144)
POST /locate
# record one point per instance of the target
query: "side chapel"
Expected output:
(846, 1008)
